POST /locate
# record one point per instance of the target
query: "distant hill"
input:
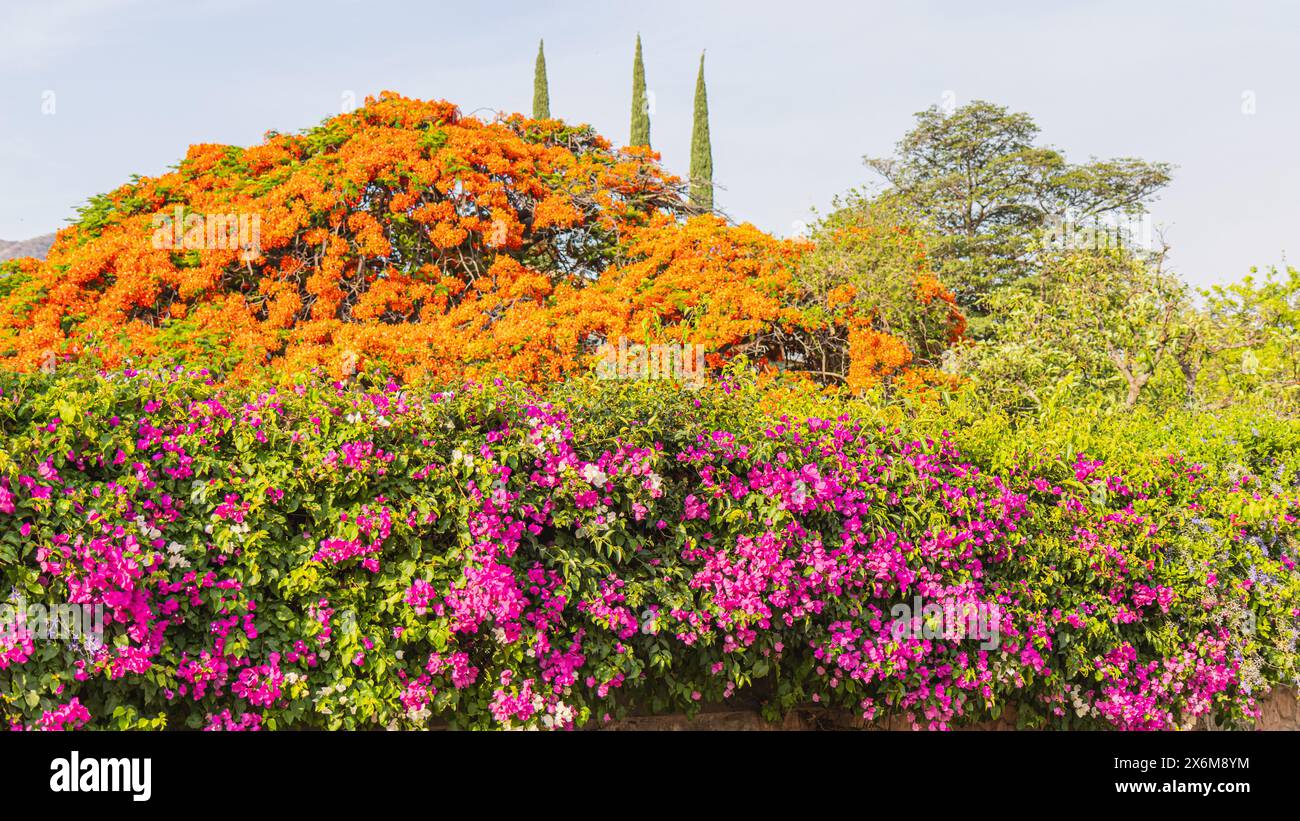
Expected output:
(35, 247)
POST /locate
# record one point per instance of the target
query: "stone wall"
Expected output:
(1281, 711)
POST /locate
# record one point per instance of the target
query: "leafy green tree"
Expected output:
(990, 190)
(701, 192)
(640, 105)
(864, 265)
(1097, 323)
(541, 92)
(1248, 343)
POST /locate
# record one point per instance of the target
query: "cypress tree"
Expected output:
(640, 106)
(701, 150)
(541, 95)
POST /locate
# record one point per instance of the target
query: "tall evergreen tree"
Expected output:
(541, 94)
(640, 106)
(701, 149)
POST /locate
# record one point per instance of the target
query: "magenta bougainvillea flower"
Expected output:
(370, 554)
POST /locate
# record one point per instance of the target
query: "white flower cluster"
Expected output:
(1081, 707)
(594, 475)
(239, 529)
(562, 717)
(174, 549)
(543, 436)
(419, 716)
(148, 532)
(174, 558)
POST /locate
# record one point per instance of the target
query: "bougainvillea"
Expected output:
(407, 236)
(365, 553)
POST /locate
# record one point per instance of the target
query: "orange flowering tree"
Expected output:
(870, 307)
(701, 282)
(407, 235)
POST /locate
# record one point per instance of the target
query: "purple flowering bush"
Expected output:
(378, 555)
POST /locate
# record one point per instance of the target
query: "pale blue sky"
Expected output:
(798, 91)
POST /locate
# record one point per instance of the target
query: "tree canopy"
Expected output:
(979, 176)
(409, 236)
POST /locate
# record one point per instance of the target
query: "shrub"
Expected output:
(371, 554)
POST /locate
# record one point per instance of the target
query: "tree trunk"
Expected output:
(1136, 379)
(1190, 372)
(1135, 384)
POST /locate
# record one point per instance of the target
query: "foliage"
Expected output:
(1247, 343)
(1095, 323)
(1109, 326)
(701, 147)
(640, 132)
(371, 554)
(871, 305)
(541, 90)
(978, 175)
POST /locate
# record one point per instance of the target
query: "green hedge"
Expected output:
(370, 554)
